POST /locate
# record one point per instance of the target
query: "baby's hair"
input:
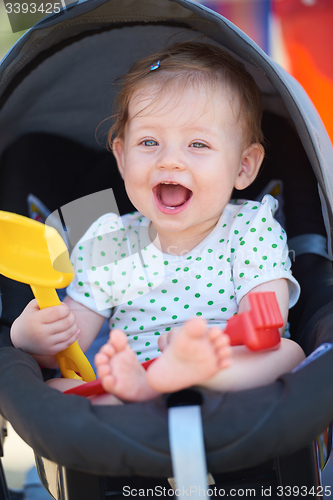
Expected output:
(189, 63)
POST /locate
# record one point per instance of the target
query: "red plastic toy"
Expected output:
(257, 329)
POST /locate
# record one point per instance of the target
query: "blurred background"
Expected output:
(298, 34)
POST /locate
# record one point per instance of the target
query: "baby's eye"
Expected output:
(198, 145)
(149, 142)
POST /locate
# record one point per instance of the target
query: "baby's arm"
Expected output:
(45, 332)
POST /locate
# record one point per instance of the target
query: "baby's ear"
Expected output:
(118, 151)
(250, 164)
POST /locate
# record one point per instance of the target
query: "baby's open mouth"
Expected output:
(172, 195)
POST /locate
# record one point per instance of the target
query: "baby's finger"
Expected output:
(62, 325)
(56, 313)
(59, 343)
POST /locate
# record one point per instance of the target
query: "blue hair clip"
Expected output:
(155, 66)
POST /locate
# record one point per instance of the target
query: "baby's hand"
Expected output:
(46, 331)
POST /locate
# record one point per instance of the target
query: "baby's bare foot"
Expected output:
(196, 353)
(120, 372)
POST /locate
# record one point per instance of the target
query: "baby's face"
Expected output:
(181, 156)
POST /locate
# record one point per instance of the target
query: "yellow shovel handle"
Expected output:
(71, 361)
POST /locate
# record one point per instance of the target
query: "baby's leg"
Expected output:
(254, 369)
(195, 353)
(120, 371)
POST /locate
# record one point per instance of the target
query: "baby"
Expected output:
(187, 132)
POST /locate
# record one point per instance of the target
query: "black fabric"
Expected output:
(286, 160)
(56, 170)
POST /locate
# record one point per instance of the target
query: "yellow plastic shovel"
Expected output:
(35, 254)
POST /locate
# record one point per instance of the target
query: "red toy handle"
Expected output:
(257, 329)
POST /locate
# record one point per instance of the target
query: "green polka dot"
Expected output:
(157, 333)
(255, 249)
(93, 268)
(210, 302)
(247, 262)
(274, 245)
(197, 295)
(80, 248)
(152, 301)
(80, 270)
(199, 314)
(163, 308)
(187, 287)
(221, 290)
(198, 276)
(186, 269)
(141, 278)
(242, 243)
(261, 238)
(80, 283)
(166, 262)
(209, 250)
(253, 230)
(87, 294)
(99, 238)
(223, 309)
(164, 291)
(175, 281)
(141, 327)
(186, 306)
(147, 344)
(269, 229)
(263, 219)
(176, 299)
(123, 273)
(105, 268)
(96, 283)
(232, 250)
(236, 231)
(241, 275)
(209, 284)
(174, 317)
(153, 318)
(209, 268)
(240, 215)
(264, 257)
(198, 258)
(133, 319)
(219, 273)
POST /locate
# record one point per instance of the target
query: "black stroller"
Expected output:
(56, 86)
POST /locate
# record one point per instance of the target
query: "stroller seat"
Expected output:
(56, 86)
